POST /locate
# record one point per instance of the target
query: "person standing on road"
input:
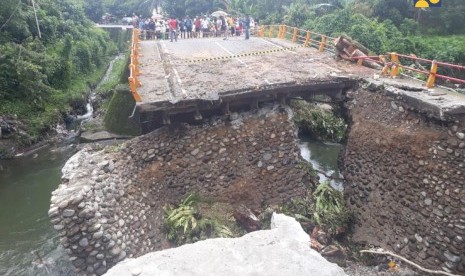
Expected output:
(205, 28)
(173, 25)
(197, 25)
(224, 27)
(247, 26)
(182, 27)
(189, 27)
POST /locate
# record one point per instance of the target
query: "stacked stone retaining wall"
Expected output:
(406, 179)
(109, 205)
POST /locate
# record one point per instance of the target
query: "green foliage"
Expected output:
(321, 123)
(307, 167)
(115, 77)
(122, 8)
(119, 109)
(324, 207)
(185, 223)
(329, 208)
(41, 76)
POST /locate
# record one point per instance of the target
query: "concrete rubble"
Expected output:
(283, 250)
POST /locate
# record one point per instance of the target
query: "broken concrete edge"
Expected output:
(103, 135)
(265, 92)
(284, 249)
(419, 100)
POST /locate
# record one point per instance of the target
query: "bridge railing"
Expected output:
(391, 63)
(134, 72)
(393, 67)
(306, 38)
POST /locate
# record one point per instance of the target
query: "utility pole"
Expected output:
(37, 21)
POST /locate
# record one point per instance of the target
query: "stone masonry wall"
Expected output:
(406, 180)
(109, 205)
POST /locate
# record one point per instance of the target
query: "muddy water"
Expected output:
(25, 230)
(323, 157)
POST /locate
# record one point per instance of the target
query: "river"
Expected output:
(25, 230)
(28, 243)
(323, 157)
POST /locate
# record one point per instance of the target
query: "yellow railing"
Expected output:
(134, 72)
(392, 67)
(304, 37)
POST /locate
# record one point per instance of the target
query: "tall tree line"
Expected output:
(40, 71)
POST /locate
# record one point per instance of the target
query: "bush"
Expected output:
(185, 223)
(329, 209)
(321, 123)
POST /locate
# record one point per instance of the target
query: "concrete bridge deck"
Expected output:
(206, 68)
(197, 75)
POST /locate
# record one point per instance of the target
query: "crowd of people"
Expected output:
(200, 26)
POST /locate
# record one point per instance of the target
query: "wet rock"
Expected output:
(68, 213)
(58, 227)
(451, 257)
(97, 235)
(195, 152)
(52, 212)
(121, 256)
(116, 250)
(267, 156)
(83, 242)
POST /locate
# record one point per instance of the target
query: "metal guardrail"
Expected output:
(432, 74)
(307, 38)
(390, 62)
(134, 82)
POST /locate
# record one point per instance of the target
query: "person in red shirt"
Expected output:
(173, 24)
(197, 25)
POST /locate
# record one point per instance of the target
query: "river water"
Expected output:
(28, 243)
(323, 157)
(25, 230)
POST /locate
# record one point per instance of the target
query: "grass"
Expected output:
(117, 76)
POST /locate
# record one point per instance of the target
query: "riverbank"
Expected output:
(14, 137)
(25, 231)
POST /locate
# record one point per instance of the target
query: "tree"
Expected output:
(95, 9)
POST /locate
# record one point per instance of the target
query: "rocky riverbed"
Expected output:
(109, 205)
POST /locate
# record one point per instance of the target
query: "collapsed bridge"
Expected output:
(198, 77)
